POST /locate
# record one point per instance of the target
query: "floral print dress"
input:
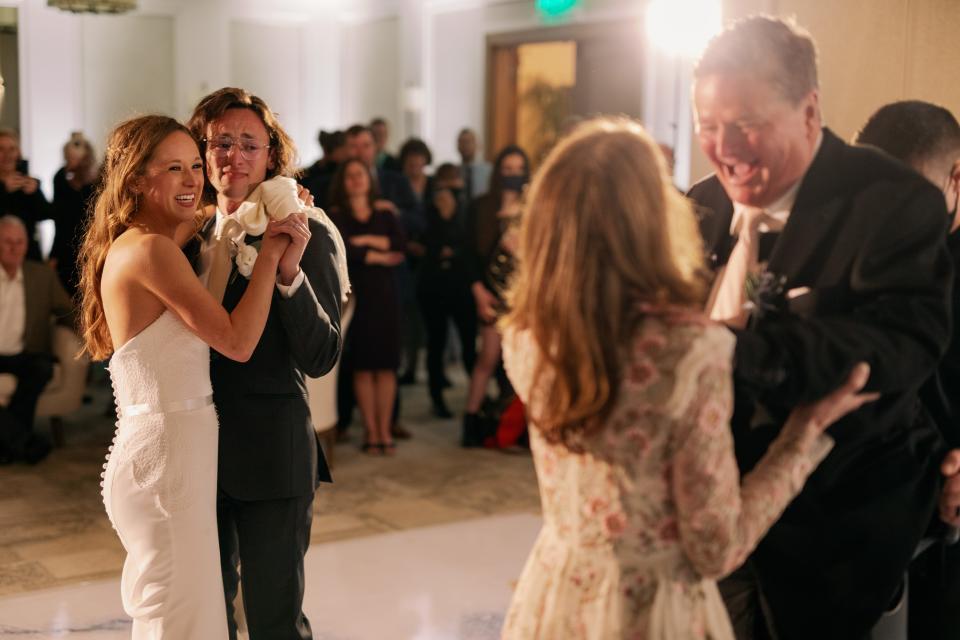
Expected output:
(639, 526)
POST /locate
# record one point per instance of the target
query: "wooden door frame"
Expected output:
(512, 40)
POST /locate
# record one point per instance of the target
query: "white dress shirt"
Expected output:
(775, 218)
(13, 312)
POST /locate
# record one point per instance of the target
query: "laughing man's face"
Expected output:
(759, 143)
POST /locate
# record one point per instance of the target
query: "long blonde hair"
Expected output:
(129, 149)
(604, 232)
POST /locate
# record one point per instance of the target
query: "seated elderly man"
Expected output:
(30, 295)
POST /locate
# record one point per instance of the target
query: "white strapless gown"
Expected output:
(160, 484)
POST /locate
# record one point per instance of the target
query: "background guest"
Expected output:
(317, 176)
(20, 194)
(393, 188)
(380, 129)
(443, 284)
(375, 241)
(73, 185)
(927, 137)
(414, 157)
(473, 169)
(30, 297)
(490, 262)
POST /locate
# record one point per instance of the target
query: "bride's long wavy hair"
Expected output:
(129, 149)
(604, 232)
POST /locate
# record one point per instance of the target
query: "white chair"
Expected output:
(323, 394)
(64, 392)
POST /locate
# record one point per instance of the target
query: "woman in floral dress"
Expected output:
(629, 392)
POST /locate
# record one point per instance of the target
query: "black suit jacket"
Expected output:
(396, 188)
(866, 236)
(941, 393)
(268, 448)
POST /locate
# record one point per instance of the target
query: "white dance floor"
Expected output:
(449, 582)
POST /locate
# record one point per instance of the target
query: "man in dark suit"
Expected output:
(269, 459)
(381, 133)
(31, 296)
(858, 271)
(392, 186)
(926, 137)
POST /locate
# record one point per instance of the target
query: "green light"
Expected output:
(556, 8)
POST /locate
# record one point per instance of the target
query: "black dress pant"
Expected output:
(262, 544)
(33, 371)
(934, 611)
(439, 305)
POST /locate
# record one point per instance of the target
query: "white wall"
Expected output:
(456, 80)
(88, 72)
(126, 70)
(370, 68)
(201, 37)
(266, 60)
(321, 43)
(51, 86)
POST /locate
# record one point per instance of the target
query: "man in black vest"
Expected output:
(269, 459)
(858, 270)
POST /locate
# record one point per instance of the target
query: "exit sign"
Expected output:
(556, 8)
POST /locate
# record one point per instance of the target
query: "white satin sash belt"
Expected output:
(174, 406)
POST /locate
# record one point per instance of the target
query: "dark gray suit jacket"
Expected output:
(268, 448)
(45, 299)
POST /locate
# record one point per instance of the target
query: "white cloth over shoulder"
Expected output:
(275, 199)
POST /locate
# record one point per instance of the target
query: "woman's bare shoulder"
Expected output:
(142, 254)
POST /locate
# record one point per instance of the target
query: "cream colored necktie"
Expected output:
(728, 302)
(221, 262)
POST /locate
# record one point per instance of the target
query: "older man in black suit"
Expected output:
(825, 255)
(269, 459)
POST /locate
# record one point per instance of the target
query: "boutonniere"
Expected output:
(766, 292)
(274, 199)
(246, 256)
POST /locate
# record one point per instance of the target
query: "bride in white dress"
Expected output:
(143, 304)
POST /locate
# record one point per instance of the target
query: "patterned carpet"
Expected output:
(53, 530)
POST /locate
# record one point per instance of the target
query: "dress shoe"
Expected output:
(440, 409)
(472, 436)
(36, 449)
(400, 432)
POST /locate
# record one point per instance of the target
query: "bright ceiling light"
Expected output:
(682, 27)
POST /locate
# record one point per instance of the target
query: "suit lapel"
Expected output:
(195, 246)
(719, 240)
(812, 217)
